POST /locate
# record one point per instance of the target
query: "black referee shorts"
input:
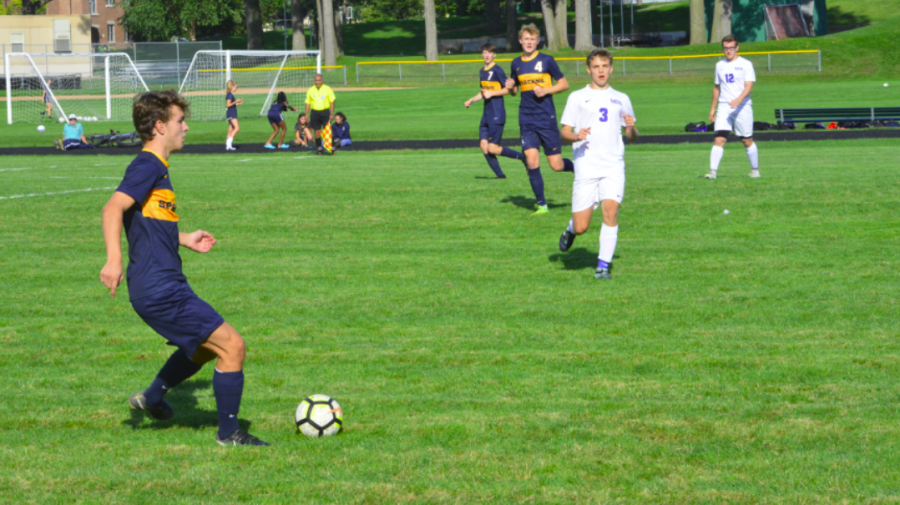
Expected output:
(318, 119)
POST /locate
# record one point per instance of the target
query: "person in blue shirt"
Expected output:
(533, 74)
(490, 132)
(340, 131)
(73, 136)
(231, 114)
(144, 205)
(277, 121)
(46, 96)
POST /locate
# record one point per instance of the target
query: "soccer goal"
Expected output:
(101, 86)
(260, 75)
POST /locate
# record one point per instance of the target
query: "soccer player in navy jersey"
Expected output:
(144, 204)
(493, 82)
(533, 74)
(231, 114)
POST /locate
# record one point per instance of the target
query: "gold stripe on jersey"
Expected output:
(160, 204)
(491, 86)
(527, 82)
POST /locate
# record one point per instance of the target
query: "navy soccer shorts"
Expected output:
(275, 118)
(179, 315)
(493, 133)
(534, 138)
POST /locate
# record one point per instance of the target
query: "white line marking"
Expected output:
(14, 169)
(55, 193)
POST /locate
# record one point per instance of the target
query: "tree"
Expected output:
(698, 22)
(298, 14)
(165, 19)
(329, 56)
(721, 25)
(512, 28)
(492, 12)
(555, 24)
(253, 20)
(34, 7)
(583, 36)
(431, 49)
(339, 29)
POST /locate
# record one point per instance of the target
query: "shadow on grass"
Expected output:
(184, 402)
(839, 20)
(494, 178)
(577, 259)
(528, 202)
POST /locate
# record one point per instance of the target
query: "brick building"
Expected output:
(105, 14)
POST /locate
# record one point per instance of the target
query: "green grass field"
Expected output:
(438, 112)
(741, 358)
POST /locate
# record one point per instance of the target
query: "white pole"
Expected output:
(227, 66)
(108, 97)
(268, 101)
(319, 62)
(8, 88)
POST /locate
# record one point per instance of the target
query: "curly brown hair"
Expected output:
(154, 106)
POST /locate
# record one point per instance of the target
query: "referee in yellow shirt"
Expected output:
(319, 107)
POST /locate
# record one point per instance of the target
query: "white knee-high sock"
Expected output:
(608, 237)
(715, 157)
(228, 142)
(753, 156)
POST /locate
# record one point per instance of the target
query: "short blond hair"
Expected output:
(530, 29)
(230, 85)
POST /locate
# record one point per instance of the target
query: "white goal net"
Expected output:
(101, 86)
(260, 75)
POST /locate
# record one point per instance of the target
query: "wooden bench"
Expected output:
(837, 114)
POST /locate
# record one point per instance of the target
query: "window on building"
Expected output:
(110, 3)
(127, 38)
(111, 32)
(18, 42)
(93, 6)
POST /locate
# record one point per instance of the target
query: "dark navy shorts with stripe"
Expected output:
(179, 315)
(534, 138)
(275, 118)
(493, 133)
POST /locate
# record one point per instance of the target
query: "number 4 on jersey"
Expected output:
(539, 66)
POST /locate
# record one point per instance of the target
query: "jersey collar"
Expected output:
(164, 162)
(535, 55)
(490, 66)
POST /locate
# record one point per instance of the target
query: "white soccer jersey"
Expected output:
(731, 77)
(602, 154)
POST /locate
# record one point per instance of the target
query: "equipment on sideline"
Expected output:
(319, 416)
(120, 140)
(88, 85)
(260, 75)
(327, 141)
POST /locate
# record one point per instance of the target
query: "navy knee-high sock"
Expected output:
(537, 185)
(494, 164)
(227, 388)
(177, 369)
(509, 153)
(568, 166)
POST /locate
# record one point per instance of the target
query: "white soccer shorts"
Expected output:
(588, 193)
(739, 120)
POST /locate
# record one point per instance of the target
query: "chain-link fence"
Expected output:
(805, 61)
(161, 64)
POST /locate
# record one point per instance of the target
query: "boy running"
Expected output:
(493, 82)
(533, 74)
(144, 204)
(593, 122)
(731, 106)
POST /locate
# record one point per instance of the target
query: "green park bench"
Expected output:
(837, 114)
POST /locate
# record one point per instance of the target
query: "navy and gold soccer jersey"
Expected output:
(493, 79)
(540, 70)
(151, 226)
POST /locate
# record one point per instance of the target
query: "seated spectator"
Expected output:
(73, 136)
(303, 134)
(340, 131)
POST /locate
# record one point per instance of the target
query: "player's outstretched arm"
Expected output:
(199, 241)
(511, 86)
(112, 273)
(631, 132)
(748, 87)
(472, 100)
(561, 85)
(570, 137)
(715, 104)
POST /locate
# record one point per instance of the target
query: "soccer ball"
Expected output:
(62, 120)
(319, 416)
(78, 118)
(41, 128)
(93, 118)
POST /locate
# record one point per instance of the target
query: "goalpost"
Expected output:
(260, 75)
(101, 85)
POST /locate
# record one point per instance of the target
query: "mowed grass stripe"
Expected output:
(744, 357)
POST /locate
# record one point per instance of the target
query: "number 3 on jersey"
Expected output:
(604, 115)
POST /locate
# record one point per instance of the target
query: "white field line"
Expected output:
(14, 169)
(55, 193)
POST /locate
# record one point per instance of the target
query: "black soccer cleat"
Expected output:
(602, 273)
(240, 437)
(566, 240)
(162, 412)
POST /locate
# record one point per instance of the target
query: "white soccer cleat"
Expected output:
(754, 174)
(710, 175)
